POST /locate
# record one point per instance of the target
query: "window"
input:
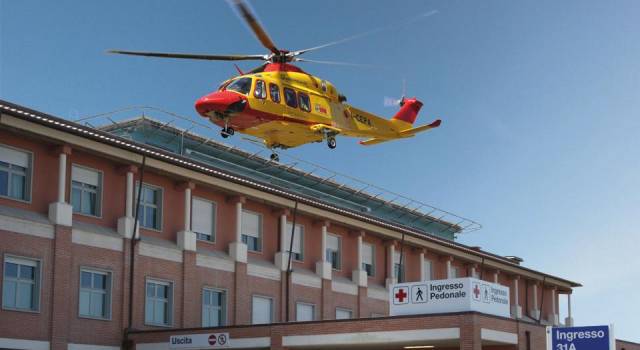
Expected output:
(95, 294)
(251, 230)
(343, 314)
(241, 85)
(203, 219)
(398, 270)
(261, 310)
(375, 315)
(333, 251)
(274, 91)
(150, 207)
(290, 98)
(427, 270)
(21, 284)
(158, 304)
(214, 303)
(297, 249)
(305, 312)
(368, 255)
(260, 90)
(305, 104)
(15, 174)
(86, 190)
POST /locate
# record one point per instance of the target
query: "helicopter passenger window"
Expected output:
(290, 98)
(274, 90)
(305, 105)
(261, 90)
(241, 85)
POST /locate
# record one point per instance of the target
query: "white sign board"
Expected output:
(451, 295)
(199, 341)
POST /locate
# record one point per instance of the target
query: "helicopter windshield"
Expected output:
(241, 85)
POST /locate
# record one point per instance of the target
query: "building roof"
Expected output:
(101, 136)
(328, 188)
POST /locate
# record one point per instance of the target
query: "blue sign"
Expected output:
(581, 338)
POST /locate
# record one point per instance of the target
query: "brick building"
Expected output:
(212, 249)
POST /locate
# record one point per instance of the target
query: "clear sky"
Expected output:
(540, 102)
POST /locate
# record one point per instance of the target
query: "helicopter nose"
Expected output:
(221, 102)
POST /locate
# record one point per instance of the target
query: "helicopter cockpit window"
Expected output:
(261, 90)
(274, 90)
(305, 105)
(241, 85)
(290, 98)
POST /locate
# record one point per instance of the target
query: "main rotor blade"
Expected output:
(373, 31)
(335, 63)
(255, 26)
(191, 56)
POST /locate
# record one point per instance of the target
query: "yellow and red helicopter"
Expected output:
(286, 107)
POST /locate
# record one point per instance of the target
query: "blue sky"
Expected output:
(539, 101)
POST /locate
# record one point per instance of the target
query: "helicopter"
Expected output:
(284, 106)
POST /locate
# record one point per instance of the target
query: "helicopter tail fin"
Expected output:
(408, 112)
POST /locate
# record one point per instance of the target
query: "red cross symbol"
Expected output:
(476, 291)
(400, 295)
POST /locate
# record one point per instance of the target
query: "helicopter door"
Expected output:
(340, 116)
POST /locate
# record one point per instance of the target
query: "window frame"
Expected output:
(339, 268)
(214, 220)
(160, 206)
(300, 94)
(313, 310)
(108, 291)
(344, 309)
(170, 301)
(260, 234)
(224, 305)
(373, 259)
(295, 94)
(29, 176)
(296, 257)
(263, 95)
(38, 284)
(272, 313)
(271, 85)
(99, 193)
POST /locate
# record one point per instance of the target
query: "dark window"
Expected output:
(261, 90)
(305, 105)
(274, 90)
(241, 85)
(290, 98)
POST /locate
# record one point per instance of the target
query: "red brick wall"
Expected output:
(31, 325)
(45, 161)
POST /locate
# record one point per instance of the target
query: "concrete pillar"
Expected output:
(186, 237)
(422, 252)
(568, 321)
(473, 271)
(126, 223)
(448, 267)
(516, 309)
(554, 317)
(323, 267)
(391, 253)
(237, 249)
(535, 310)
(60, 212)
(359, 276)
(496, 275)
(282, 257)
